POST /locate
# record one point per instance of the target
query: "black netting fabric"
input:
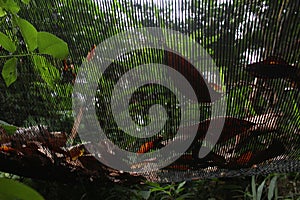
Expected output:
(254, 45)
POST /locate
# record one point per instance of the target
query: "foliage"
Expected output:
(36, 42)
(30, 56)
(9, 129)
(281, 186)
(267, 189)
(23, 43)
(272, 186)
(11, 189)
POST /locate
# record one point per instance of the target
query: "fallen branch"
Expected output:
(37, 153)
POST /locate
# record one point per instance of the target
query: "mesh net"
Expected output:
(254, 45)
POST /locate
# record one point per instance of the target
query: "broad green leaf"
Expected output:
(9, 129)
(26, 1)
(9, 71)
(47, 71)
(6, 43)
(12, 6)
(51, 45)
(2, 12)
(272, 187)
(12, 190)
(260, 190)
(29, 33)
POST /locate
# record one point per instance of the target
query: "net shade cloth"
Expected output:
(262, 121)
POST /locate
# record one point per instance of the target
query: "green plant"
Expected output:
(20, 45)
(150, 191)
(9, 129)
(33, 57)
(38, 44)
(11, 189)
(267, 188)
(169, 191)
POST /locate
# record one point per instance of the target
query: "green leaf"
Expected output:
(6, 43)
(253, 186)
(29, 33)
(48, 72)
(260, 190)
(9, 129)
(12, 6)
(272, 187)
(25, 1)
(11, 190)
(181, 185)
(144, 194)
(51, 45)
(153, 184)
(185, 196)
(2, 12)
(9, 71)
